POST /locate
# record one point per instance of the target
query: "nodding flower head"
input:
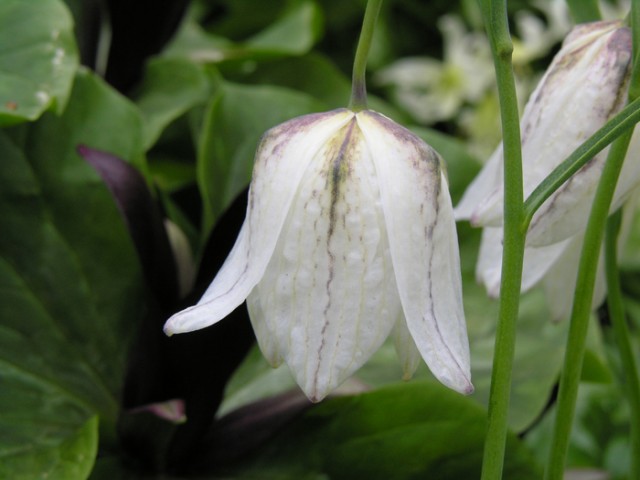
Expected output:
(349, 238)
(585, 85)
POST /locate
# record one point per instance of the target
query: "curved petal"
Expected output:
(583, 87)
(424, 246)
(566, 212)
(266, 340)
(537, 261)
(489, 264)
(486, 184)
(283, 156)
(560, 282)
(328, 293)
(408, 353)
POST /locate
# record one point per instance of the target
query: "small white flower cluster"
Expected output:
(432, 90)
(461, 86)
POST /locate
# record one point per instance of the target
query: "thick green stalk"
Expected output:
(495, 16)
(358, 100)
(617, 315)
(582, 300)
(584, 11)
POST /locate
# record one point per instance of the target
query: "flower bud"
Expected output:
(584, 86)
(349, 237)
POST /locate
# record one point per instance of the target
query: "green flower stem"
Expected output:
(634, 21)
(358, 100)
(621, 333)
(495, 17)
(584, 11)
(581, 312)
(611, 130)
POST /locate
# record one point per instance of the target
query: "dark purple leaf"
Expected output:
(143, 219)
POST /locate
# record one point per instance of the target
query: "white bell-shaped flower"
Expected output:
(583, 87)
(349, 237)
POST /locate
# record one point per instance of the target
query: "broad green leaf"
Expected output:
(71, 290)
(316, 75)
(599, 435)
(234, 122)
(253, 380)
(71, 459)
(37, 459)
(38, 58)
(293, 34)
(407, 431)
(312, 74)
(194, 43)
(170, 88)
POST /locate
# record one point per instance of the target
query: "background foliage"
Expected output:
(106, 140)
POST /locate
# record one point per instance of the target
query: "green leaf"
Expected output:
(234, 122)
(171, 87)
(293, 34)
(38, 58)
(71, 459)
(71, 289)
(194, 43)
(316, 75)
(311, 73)
(601, 424)
(407, 431)
(253, 380)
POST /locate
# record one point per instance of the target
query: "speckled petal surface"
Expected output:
(328, 294)
(281, 160)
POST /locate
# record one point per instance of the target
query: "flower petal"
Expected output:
(281, 160)
(486, 184)
(424, 246)
(328, 293)
(266, 340)
(560, 282)
(537, 261)
(581, 90)
(408, 353)
(489, 264)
